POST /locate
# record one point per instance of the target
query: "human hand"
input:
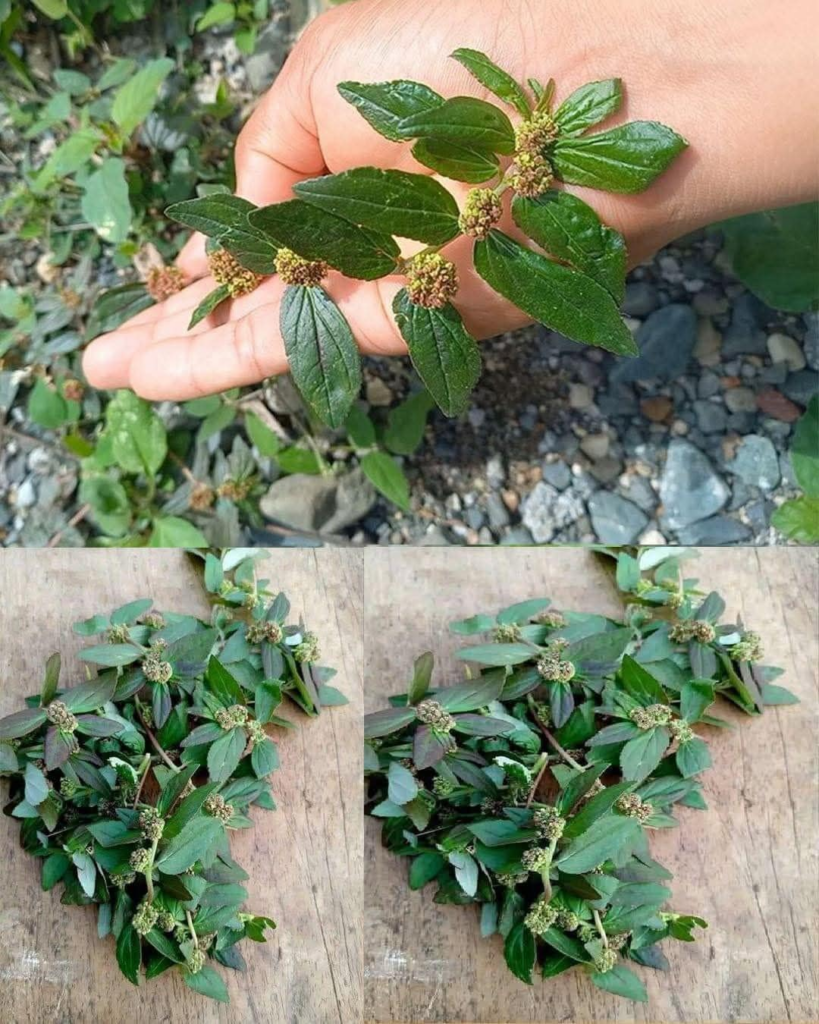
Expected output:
(677, 70)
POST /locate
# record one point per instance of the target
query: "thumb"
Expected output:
(279, 145)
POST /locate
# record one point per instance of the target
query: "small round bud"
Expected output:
(144, 918)
(226, 270)
(586, 932)
(442, 787)
(156, 671)
(68, 788)
(202, 497)
(535, 133)
(118, 635)
(431, 713)
(567, 920)
(216, 807)
(549, 822)
(163, 282)
(532, 175)
(541, 917)
(482, 209)
(606, 960)
(153, 620)
(165, 921)
(294, 269)
(73, 389)
(196, 961)
(653, 715)
(235, 491)
(432, 280)
(308, 649)
(536, 859)
(152, 824)
(551, 619)
(140, 860)
(507, 634)
(59, 715)
(181, 933)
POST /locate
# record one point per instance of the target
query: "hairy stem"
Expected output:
(154, 741)
(539, 768)
(567, 757)
(599, 925)
(149, 871)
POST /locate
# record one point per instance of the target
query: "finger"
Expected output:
(250, 347)
(279, 144)
(189, 298)
(193, 260)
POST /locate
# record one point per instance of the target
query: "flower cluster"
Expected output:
(122, 879)
(59, 715)
(695, 629)
(255, 732)
(294, 269)
(152, 824)
(549, 823)
(145, 917)
(68, 788)
(216, 807)
(230, 718)
(269, 632)
(535, 133)
(567, 920)
(118, 635)
(511, 879)
(308, 649)
(605, 959)
(749, 648)
(648, 718)
(634, 806)
(153, 620)
(431, 713)
(482, 210)
(555, 669)
(507, 633)
(432, 280)
(154, 667)
(537, 858)
(542, 915)
(442, 787)
(551, 618)
(165, 921)
(532, 175)
(140, 860)
(226, 270)
(681, 730)
(163, 282)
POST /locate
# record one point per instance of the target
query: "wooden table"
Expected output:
(305, 859)
(748, 864)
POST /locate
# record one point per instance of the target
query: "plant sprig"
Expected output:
(128, 786)
(349, 222)
(531, 789)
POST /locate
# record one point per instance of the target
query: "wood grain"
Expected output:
(305, 859)
(748, 864)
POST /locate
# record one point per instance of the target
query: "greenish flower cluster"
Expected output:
(606, 959)
(681, 730)
(633, 806)
(296, 270)
(59, 715)
(154, 667)
(536, 858)
(432, 280)
(507, 633)
(226, 270)
(509, 880)
(567, 920)
(482, 210)
(152, 824)
(216, 807)
(308, 649)
(153, 620)
(653, 715)
(68, 788)
(542, 915)
(431, 713)
(701, 631)
(232, 717)
(555, 669)
(749, 648)
(145, 917)
(552, 619)
(549, 823)
(118, 635)
(140, 860)
(269, 632)
(442, 787)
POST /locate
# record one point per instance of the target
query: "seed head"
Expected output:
(532, 175)
(271, 632)
(442, 787)
(144, 918)
(541, 917)
(654, 714)
(535, 133)
(536, 859)
(507, 634)
(308, 649)
(549, 823)
(432, 280)
(216, 807)
(606, 959)
(294, 269)
(482, 209)
(152, 824)
(567, 920)
(163, 282)
(140, 859)
(157, 671)
(551, 619)
(59, 715)
(165, 921)
(431, 713)
(226, 270)
(229, 718)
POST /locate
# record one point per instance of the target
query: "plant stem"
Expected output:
(192, 929)
(149, 881)
(539, 768)
(144, 768)
(154, 742)
(567, 757)
(599, 926)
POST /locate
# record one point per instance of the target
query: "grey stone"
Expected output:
(741, 422)
(740, 400)
(641, 493)
(606, 470)
(615, 520)
(708, 385)
(618, 400)
(317, 503)
(495, 473)
(800, 387)
(557, 474)
(26, 494)
(740, 495)
(758, 514)
(474, 518)
(497, 511)
(745, 334)
(786, 469)
(666, 340)
(434, 538)
(711, 417)
(776, 374)
(545, 511)
(518, 536)
(715, 531)
(640, 299)
(690, 489)
(755, 462)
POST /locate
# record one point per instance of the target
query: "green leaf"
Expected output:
(86, 872)
(52, 8)
(129, 953)
(495, 79)
(223, 684)
(640, 683)
(225, 218)
(55, 868)
(174, 532)
(117, 73)
(775, 253)
(69, 156)
(401, 783)
(220, 419)
(466, 871)
(386, 476)
(360, 428)
(805, 450)
(261, 436)
(36, 786)
(268, 697)
(522, 611)
(640, 756)
(625, 159)
(520, 952)
(569, 229)
(105, 203)
(8, 756)
(210, 302)
(116, 306)
(208, 982)
(428, 747)
(693, 757)
(264, 758)
(424, 868)
(225, 754)
(566, 944)
(163, 945)
(136, 98)
(407, 422)
(384, 105)
(21, 723)
(695, 697)
(561, 298)
(444, 354)
(798, 519)
(602, 840)
(460, 163)
(773, 695)
(588, 105)
(46, 406)
(219, 14)
(621, 982)
(191, 843)
(322, 352)
(496, 654)
(396, 202)
(111, 655)
(113, 833)
(421, 677)
(138, 439)
(377, 724)
(318, 235)
(471, 696)
(465, 120)
(501, 833)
